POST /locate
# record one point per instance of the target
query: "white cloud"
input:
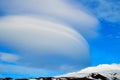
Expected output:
(30, 33)
(59, 10)
(100, 68)
(8, 57)
(43, 40)
(108, 10)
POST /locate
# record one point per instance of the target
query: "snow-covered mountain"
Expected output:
(111, 72)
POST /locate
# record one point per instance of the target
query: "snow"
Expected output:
(109, 71)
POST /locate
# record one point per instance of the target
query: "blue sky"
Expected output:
(48, 38)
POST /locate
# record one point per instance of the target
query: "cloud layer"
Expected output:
(45, 34)
(59, 10)
(43, 43)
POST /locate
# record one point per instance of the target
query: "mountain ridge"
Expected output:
(110, 72)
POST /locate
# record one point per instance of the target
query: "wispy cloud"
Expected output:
(8, 57)
(108, 10)
(21, 71)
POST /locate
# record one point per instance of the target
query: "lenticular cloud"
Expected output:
(59, 10)
(43, 39)
(43, 43)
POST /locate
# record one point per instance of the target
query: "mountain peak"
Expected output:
(102, 72)
(100, 68)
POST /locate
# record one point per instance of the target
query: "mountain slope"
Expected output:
(110, 72)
